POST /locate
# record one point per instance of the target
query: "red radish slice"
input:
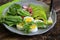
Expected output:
(30, 9)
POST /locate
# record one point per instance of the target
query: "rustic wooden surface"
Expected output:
(53, 34)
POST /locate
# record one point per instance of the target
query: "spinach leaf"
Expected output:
(13, 9)
(17, 10)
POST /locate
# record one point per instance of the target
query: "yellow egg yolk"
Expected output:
(28, 19)
(33, 26)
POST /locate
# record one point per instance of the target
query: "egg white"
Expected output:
(38, 21)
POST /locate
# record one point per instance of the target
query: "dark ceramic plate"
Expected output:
(40, 31)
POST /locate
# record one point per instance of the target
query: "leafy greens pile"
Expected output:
(16, 10)
(13, 15)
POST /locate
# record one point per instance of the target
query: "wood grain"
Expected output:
(53, 34)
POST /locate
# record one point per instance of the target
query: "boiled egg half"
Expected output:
(33, 28)
(28, 19)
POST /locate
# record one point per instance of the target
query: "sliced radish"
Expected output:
(30, 9)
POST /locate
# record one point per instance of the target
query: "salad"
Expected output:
(26, 18)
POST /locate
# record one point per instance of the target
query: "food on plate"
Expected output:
(25, 7)
(34, 28)
(11, 20)
(20, 26)
(50, 21)
(13, 9)
(26, 18)
(40, 24)
(38, 12)
(30, 10)
(22, 12)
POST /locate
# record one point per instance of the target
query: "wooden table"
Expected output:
(53, 34)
